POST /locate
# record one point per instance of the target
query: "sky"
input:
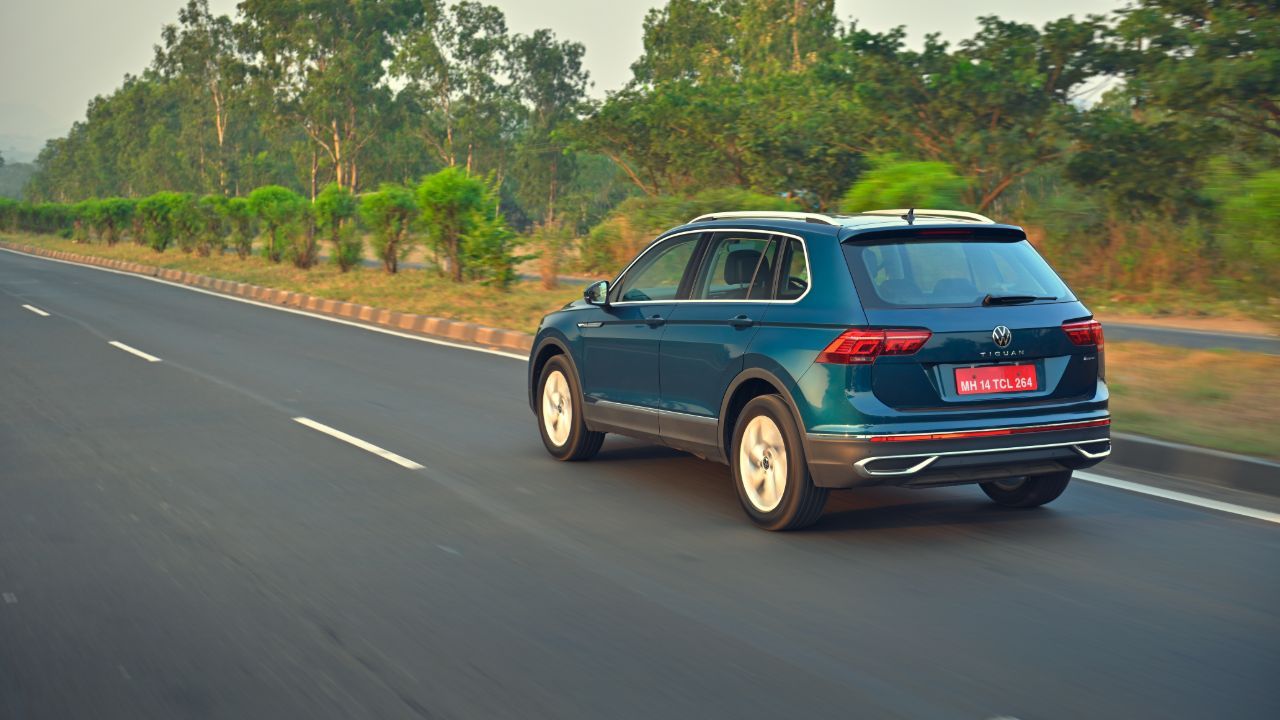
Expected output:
(56, 55)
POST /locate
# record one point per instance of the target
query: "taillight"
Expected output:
(1085, 332)
(864, 346)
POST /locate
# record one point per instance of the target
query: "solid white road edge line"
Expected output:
(36, 310)
(1088, 477)
(369, 447)
(1180, 497)
(295, 311)
(134, 351)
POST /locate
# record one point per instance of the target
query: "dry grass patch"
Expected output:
(1222, 399)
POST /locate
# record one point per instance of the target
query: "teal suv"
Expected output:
(897, 347)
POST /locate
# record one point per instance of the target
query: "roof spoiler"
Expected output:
(924, 212)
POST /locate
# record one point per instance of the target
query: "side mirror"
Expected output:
(597, 293)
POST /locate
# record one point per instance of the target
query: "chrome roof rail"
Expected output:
(769, 214)
(924, 212)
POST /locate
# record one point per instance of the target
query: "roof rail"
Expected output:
(771, 214)
(922, 212)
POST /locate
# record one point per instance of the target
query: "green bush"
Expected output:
(893, 183)
(239, 218)
(451, 202)
(1250, 215)
(81, 214)
(389, 214)
(159, 218)
(488, 250)
(461, 218)
(281, 212)
(110, 217)
(335, 210)
(211, 237)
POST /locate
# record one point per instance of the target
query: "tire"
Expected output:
(1028, 492)
(560, 414)
(765, 434)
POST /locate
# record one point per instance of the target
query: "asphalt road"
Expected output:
(1196, 339)
(173, 544)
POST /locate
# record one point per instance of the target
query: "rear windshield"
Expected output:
(928, 273)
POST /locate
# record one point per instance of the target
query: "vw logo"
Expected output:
(1002, 336)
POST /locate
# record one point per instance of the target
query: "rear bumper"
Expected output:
(921, 460)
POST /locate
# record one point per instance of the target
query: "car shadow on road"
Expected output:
(705, 485)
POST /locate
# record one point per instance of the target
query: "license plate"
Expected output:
(991, 379)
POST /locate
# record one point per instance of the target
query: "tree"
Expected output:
(1218, 60)
(335, 210)
(389, 213)
(324, 62)
(200, 57)
(281, 211)
(996, 109)
(549, 76)
(451, 65)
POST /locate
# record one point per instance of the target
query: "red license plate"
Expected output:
(996, 379)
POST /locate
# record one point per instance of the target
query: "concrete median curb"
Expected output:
(443, 328)
(1215, 467)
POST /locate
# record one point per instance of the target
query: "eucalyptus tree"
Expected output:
(549, 77)
(200, 56)
(324, 62)
(452, 65)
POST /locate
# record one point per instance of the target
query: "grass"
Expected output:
(1221, 399)
(1259, 315)
(520, 307)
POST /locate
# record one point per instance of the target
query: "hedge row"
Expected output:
(455, 214)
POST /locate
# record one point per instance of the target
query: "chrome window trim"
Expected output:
(804, 247)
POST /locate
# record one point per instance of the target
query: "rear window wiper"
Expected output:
(1013, 299)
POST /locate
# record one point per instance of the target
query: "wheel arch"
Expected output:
(752, 383)
(543, 351)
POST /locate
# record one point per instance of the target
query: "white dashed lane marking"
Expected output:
(363, 445)
(36, 310)
(134, 351)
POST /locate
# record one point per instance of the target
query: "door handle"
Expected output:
(655, 320)
(741, 321)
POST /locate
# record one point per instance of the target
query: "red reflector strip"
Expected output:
(1000, 432)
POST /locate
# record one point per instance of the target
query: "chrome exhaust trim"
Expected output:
(928, 459)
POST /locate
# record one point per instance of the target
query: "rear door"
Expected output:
(995, 310)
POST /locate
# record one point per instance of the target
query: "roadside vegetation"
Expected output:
(1141, 149)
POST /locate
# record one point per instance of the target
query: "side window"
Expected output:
(738, 266)
(657, 275)
(794, 280)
